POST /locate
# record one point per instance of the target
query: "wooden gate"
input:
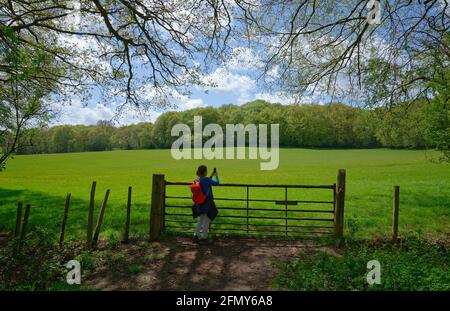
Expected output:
(253, 212)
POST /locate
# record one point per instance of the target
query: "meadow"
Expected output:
(43, 181)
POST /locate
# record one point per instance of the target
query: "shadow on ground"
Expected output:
(178, 264)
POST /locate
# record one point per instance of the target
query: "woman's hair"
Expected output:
(201, 171)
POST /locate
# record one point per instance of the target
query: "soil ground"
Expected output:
(176, 263)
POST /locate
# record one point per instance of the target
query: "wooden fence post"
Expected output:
(339, 207)
(64, 220)
(163, 205)
(396, 204)
(90, 224)
(157, 208)
(127, 223)
(100, 218)
(18, 219)
(24, 225)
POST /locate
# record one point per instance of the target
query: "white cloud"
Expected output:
(243, 58)
(277, 97)
(191, 103)
(287, 99)
(76, 113)
(177, 100)
(226, 81)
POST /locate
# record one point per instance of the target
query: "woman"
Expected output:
(207, 210)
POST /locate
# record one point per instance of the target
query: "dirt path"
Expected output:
(178, 264)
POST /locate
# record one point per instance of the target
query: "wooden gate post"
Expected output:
(339, 207)
(157, 209)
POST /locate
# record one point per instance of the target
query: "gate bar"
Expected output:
(254, 200)
(258, 217)
(256, 230)
(260, 209)
(171, 183)
(244, 224)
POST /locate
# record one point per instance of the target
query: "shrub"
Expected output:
(413, 264)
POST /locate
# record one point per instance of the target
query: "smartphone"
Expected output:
(214, 171)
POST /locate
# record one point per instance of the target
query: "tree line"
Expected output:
(420, 125)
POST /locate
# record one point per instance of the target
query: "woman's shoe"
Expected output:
(196, 239)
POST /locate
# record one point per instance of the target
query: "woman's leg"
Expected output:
(198, 226)
(205, 225)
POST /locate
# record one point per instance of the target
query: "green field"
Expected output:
(44, 180)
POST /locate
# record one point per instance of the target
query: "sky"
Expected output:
(235, 83)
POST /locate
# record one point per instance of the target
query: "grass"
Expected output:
(44, 180)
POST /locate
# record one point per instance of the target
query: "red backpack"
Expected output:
(197, 194)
